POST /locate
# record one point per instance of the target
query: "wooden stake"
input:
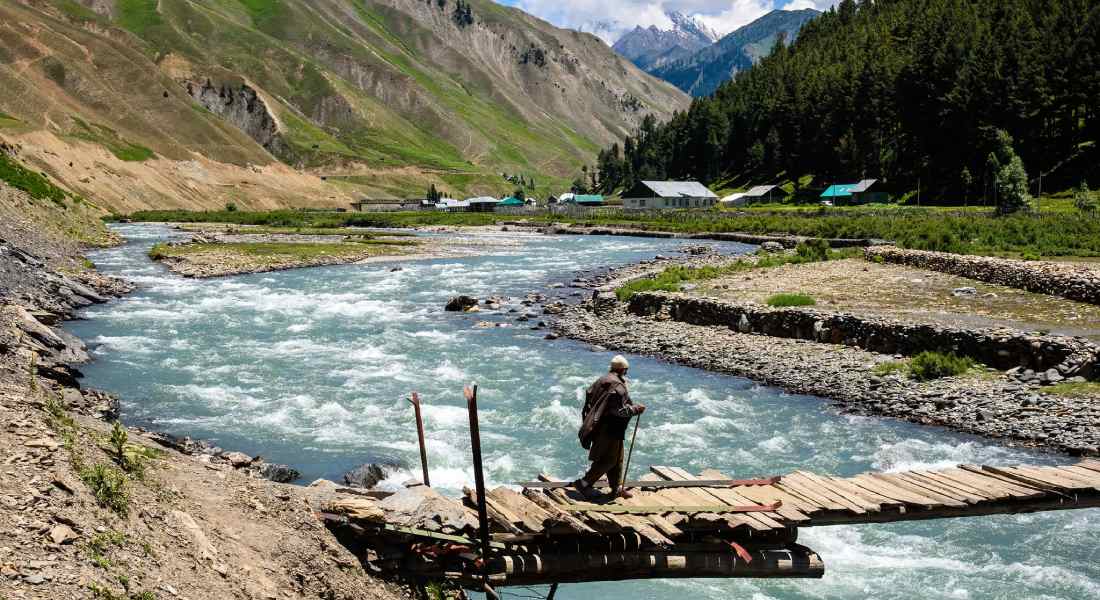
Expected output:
(415, 401)
(479, 476)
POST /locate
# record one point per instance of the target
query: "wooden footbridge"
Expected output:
(678, 524)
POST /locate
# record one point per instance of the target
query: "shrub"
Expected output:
(813, 250)
(934, 365)
(781, 300)
(108, 484)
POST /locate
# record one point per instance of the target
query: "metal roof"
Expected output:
(511, 201)
(483, 200)
(760, 190)
(679, 189)
(863, 186)
(588, 199)
(840, 190)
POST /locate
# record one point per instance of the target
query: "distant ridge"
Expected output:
(651, 47)
(701, 72)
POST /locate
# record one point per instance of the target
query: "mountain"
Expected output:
(700, 73)
(650, 47)
(195, 103)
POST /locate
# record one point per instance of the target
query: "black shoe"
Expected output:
(585, 490)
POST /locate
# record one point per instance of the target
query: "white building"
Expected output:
(669, 194)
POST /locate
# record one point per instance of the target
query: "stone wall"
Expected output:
(1052, 358)
(1057, 279)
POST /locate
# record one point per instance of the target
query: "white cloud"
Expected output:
(611, 18)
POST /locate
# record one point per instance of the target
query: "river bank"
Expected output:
(986, 402)
(218, 250)
(77, 519)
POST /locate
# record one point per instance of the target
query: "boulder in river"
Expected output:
(274, 472)
(369, 475)
(461, 303)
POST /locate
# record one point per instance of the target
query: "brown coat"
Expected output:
(607, 399)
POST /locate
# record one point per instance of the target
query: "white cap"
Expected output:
(619, 362)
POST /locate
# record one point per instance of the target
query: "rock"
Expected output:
(964, 292)
(62, 534)
(396, 269)
(370, 474)
(203, 548)
(357, 509)
(550, 336)
(771, 247)
(461, 303)
(35, 579)
(275, 472)
(42, 443)
(1053, 376)
(423, 507)
(237, 459)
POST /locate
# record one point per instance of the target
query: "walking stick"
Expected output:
(626, 468)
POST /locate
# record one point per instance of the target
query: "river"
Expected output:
(311, 367)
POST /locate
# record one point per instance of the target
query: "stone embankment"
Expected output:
(641, 230)
(1056, 279)
(1049, 358)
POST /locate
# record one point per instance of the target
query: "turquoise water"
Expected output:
(311, 367)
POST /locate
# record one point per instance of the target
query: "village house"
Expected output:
(866, 191)
(760, 193)
(669, 194)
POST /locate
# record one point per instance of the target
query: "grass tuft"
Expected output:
(784, 300)
(930, 365)
(890, 367)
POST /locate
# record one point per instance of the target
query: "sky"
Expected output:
(611, 18)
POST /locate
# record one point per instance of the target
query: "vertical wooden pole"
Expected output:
(415, 401)
(479, 477)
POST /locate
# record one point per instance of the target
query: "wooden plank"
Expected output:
(995, 485)
(901, 483)
(531, 516)
(804, 489)
(458, 539)
(505, 520)
(601, 523)
(1033, 477)
(652, 509)
(962, 486)
(954, 493)
(560, 516)
(710, 482)
(662, 524)
(1083, 482)
(768, 494)
(846, 493)
(810, 488)
(693, 496)
(733, 498)
(889, 490)
(1092, 465)
(871, 502)
(1017, 488)
(1091, 476)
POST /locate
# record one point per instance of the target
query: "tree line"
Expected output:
(910, 92)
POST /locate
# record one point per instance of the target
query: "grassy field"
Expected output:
(268, 250)
(1047, 234)
(673, 278)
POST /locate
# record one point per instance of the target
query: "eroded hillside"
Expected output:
(140, 103)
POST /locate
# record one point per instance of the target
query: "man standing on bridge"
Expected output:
(607, 412)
